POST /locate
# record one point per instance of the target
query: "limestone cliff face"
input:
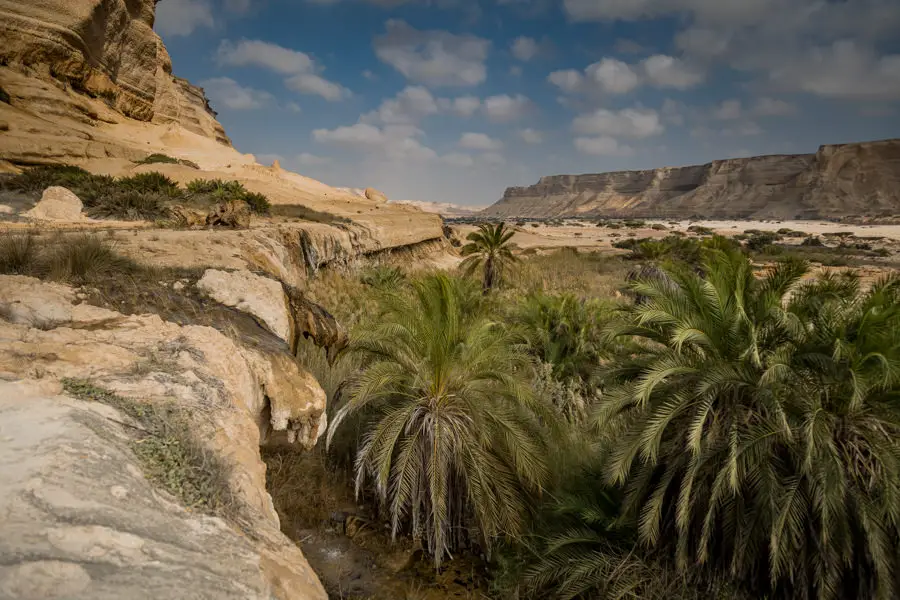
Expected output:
(837, 181)
(104, 49)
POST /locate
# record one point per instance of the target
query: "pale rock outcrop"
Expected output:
(81, 521)
(375, 195)
(237, 396)
(837, 181)
(260, 296)
(57, 204)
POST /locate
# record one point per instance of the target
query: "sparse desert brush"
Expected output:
(165, 159)
(36, 179)
(17, 254)
(383, 277)
(223, 191)
(83, 258)
(259, 203)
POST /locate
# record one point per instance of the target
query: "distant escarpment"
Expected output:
(838, 181)
(68, 65)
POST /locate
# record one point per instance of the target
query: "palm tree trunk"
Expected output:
(487, 282)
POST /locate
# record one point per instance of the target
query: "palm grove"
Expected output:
(731, 434)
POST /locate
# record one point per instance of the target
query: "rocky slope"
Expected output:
(837, 181)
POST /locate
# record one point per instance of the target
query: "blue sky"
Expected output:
(454, 100)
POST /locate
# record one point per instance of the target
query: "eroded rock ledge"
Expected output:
(75, 497)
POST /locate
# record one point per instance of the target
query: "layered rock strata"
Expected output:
(837, 181)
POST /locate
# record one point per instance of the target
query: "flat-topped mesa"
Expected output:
(837, 181)
(104, 49)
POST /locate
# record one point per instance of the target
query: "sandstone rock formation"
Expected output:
(311, 321)
(57, 204)
(238, 397)
(373, 194)
(260, 296)
(837, 181)
(106, 49)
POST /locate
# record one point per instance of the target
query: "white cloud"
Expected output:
(409, 106)
(515, 70)
(311, 160)
(530, 136)
(524, 48)
(227, 92)
(844, 69)
(369, 75)
(602, 146)
(458, 159)
(257, 53)
(394, 142)
(507, 108)
(673, 112)
(301, 70)
(310, 83)
(772, 107)
(629, 122)
(464, 106)
(715, 11)
(668, 72)
(728, 110)
(182, 17)
(435, 58)
(479, 141)
(294, 107)
(568, 80)
(612, 76)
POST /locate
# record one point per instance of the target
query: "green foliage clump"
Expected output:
(149, 183)
(452, 441)
(167, 160)
(759, 241)
(384, 277)
(17, 254)
(224, 191)
(169, 452)
(701, 230)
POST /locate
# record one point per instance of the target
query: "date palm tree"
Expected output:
(452, 442)
(490, 249)
(757, 428)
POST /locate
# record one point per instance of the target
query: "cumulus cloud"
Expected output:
(434, 58)
(479, 141)
(629, 122)
(227, 92)
(613, 76)
(182, 17)
(301, 71)
(669, 72)
(395, 142)
(845, 69)
(464, 106)
(530, 136)
(715, 11)
(524, 48)
(507, 108)
(602, 146)
(409, 106)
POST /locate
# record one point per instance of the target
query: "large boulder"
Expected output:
(259, 296)
(57, 204)
(373, 194)
(233, 214)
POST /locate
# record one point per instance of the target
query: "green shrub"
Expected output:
(160, 159)
(383, 277)
(259, 203)
(130, 205)
(760, 240)
(700, 230)
(658, 227)
(36, 179)
(150, 183)
(812, 241)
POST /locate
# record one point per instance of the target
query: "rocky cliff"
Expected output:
(100, 49)
(837, 181)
